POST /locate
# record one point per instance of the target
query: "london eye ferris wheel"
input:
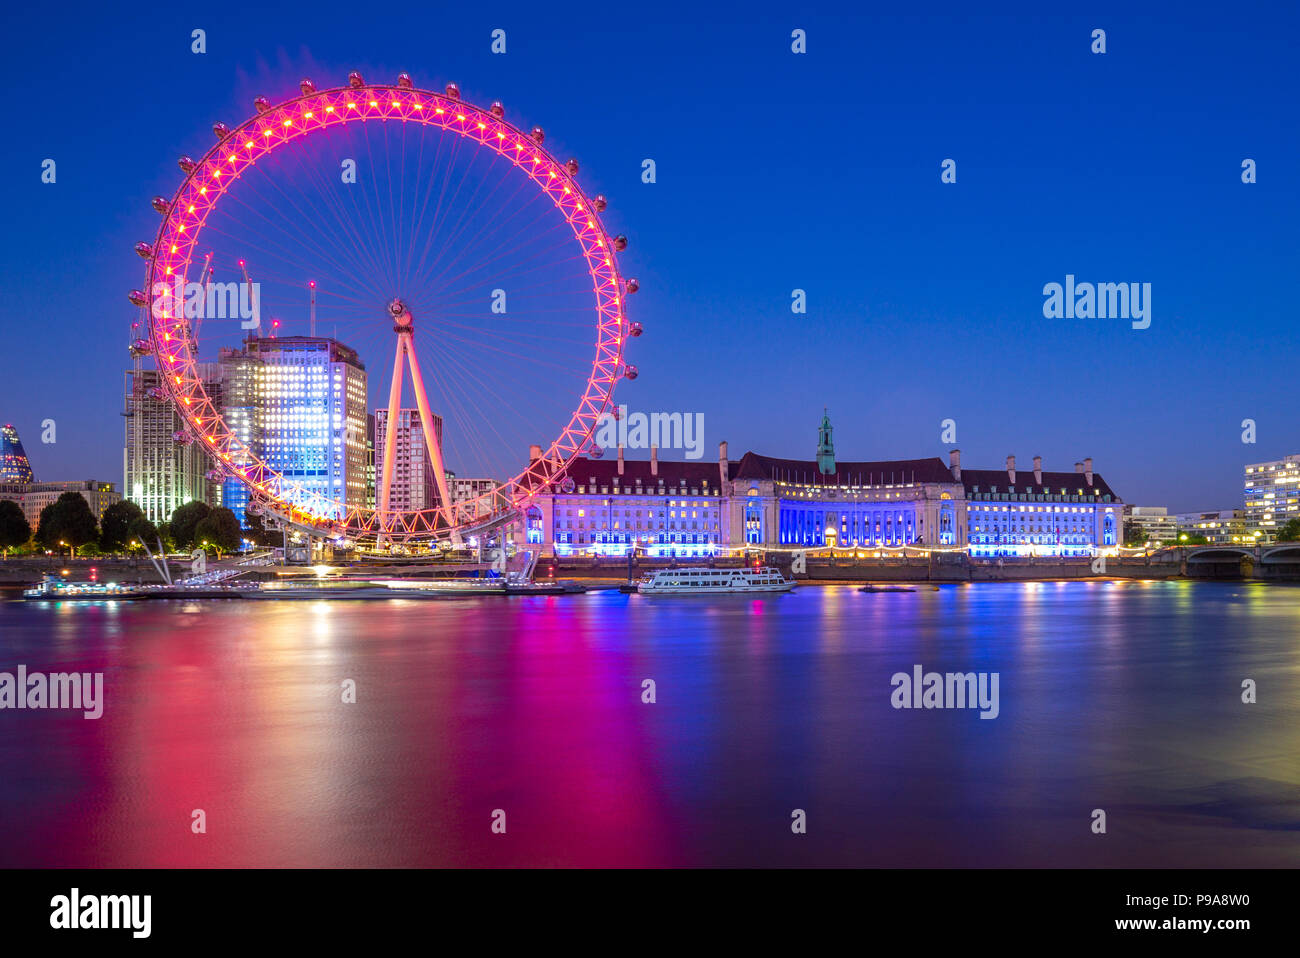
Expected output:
(375, 221)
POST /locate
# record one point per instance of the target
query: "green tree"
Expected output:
(219, 529)
(14, 527)
(184, 521)
(1192, 539)
(116, 522)
(1290, 531)
(256, 531)
(142, 530)
(67, 519)
(1134, 534)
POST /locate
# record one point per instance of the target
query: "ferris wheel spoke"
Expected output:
(539, 215)
(442, 211)
(518, 270)
(418, 220)
(466, 389)
(305, 239)
(454, 240)
(277, 253)
(363, 247)
(265, 243)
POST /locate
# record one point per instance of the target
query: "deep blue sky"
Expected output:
(775, 171)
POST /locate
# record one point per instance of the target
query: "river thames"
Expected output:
(1120, 696)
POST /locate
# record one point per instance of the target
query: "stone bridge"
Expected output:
(1278, 559)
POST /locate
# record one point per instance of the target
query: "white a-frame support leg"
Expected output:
(404, 348)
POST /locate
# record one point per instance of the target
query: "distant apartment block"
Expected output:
(1223, 527)
(1272, 495)
(1154, 521)
(32, 497)
(414, 485)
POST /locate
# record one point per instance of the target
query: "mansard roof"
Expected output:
(604, 471)
(805, 471)
(1053, 482)
(584, 470)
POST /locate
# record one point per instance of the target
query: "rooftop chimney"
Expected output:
(954, 463)
(722, 461)
(1011, 469)
(1078, 467)
(620, 459)
(654, 460)
(1038, 470)
(534, 452)
(1087, 469)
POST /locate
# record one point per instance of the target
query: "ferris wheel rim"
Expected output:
(262, 134)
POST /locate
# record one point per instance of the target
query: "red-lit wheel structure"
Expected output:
(172, 341)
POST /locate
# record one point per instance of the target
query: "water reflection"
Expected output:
(1117, 695)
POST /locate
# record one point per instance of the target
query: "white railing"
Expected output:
(207, 578)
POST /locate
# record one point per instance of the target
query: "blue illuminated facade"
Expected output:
(14, 464)
(609, 507)
(299, 403)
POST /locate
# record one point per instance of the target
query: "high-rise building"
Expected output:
(239, 404)
(299, 403)
(161, 468)
(1272, 495)
(414, 484)
(14, 465)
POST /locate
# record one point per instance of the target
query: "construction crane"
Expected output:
(248, 283)
(198, 320)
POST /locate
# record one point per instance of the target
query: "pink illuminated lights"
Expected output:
(261, 135)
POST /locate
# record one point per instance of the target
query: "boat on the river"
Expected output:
(711, 581)
(54, 586)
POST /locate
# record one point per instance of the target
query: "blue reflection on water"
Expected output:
(1122, 696)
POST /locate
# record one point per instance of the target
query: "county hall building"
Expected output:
(608, 506)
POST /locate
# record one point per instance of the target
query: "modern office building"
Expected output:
(1154, 521)
(414, 484)
(240, 382)
(692, 508)
(1272, 495)
(1227, 526)
(162, 468)
(32, 497)
(299, 403)
(14, 465)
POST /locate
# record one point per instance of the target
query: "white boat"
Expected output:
(59, 587)
(706, 581)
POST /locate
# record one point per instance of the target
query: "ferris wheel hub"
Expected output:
(402, 318)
